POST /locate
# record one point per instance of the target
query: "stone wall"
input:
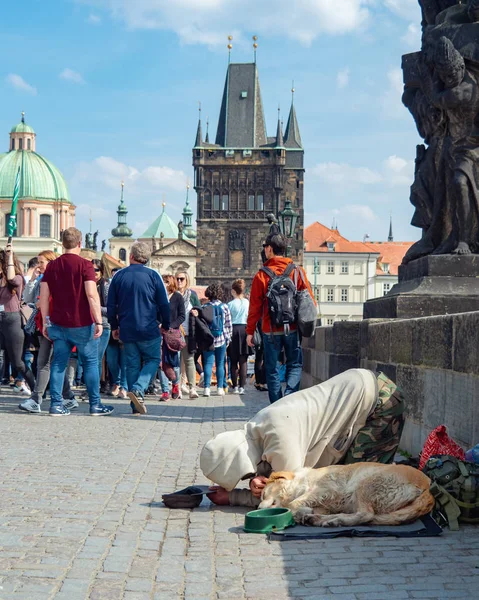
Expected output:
(435, 360)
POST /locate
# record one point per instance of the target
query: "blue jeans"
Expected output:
(138, 376)
(115, 358)
(211, 357)
(102, 345)
(64, 338)
(273, 344)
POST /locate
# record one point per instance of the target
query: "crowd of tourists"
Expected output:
(65, 322)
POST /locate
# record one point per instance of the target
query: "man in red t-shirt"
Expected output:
(74, 320)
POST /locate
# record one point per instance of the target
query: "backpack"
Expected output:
(455, 486)
(216, 326)
(281, 297)
(307, 311)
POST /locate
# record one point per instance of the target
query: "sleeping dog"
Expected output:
(347, 495)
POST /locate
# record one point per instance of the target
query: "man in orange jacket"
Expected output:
(275, 338)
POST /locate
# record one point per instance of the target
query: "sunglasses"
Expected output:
(97, 270)
(180, 278)
(265, 245)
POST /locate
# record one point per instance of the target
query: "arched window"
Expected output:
(216, 200)
(13, 143)
(122, 254)
(45, 226)
(20, 144)
(29, 144)
(251, 201)
(259, 201)
(225, 202)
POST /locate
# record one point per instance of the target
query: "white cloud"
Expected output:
(94, 19)
(19, 83)
(343, 173)
(412, 37)
(362, 211)
(342, 78)
(108, 171)
(392, 106)
(407, 9)
(70, 75)
(209, 21)
(399, 171)
(96, 212)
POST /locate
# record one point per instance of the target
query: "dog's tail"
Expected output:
(422, 505)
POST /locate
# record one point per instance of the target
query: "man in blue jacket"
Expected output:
(137, 306)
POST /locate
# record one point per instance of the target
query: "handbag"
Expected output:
(31, 324)
(26, 312)
(174, 339)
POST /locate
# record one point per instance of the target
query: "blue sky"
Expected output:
(112, 89)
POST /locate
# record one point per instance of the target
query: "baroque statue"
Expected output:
(442, 93)
(95, 241)
(88, 243)
(103, 245)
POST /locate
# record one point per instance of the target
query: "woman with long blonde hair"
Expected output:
(45, 351)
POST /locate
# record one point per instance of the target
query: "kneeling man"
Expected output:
(356, 416)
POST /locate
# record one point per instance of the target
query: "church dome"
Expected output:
(40, 179)
(22, 127)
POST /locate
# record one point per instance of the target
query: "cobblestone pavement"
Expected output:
(81, 518)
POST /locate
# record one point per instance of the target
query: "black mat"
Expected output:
(424, 527)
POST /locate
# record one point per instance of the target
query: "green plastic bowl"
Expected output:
(268, 519)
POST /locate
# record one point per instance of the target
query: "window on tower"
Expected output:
(20, 144)
(122, 254)
(216, 201)
(225, 202)
(13, 143)
(45, 226)
(250, 201)
(260, 202)
(29, 144)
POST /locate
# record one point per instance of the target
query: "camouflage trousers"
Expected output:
(378, 440)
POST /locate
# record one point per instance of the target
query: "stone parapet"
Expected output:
(435, 360)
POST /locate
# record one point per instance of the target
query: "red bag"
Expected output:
(438, 442)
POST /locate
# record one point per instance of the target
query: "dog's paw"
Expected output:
(332, 521)
(302, 513)
(312, 520)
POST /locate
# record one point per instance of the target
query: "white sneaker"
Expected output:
(221, 392)
(30, 406)
(71, 404)
(241, 391)
(193, 394)
(236, 390)
(185, 389)
(207, 392)
(23, 389)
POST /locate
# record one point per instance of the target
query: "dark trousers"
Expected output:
(12, 339)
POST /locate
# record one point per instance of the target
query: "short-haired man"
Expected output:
(68, 288)
(275, 339)
(137, 305)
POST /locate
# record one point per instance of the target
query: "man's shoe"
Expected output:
(165, 396)
(221, 392)
(236, 390)
(206, 392)
(115, 391)
(123, 393)
(22, 389)
(138, 402)
(241, 391)
(30, 406)
(59, 411)
(193, 394)
(71, 404)
(185, 389)
(175, 391)
(100, 410)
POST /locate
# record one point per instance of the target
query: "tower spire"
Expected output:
(199, 135)
(292, 137)
(255, 46)
(122, 229)
(390, 236)
(207, 138)
(279, 131)
(23, 116)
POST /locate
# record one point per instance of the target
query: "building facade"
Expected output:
(345, 274)
(44, 208)
(241, 178)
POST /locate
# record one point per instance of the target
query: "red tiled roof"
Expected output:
(391, 253)
(317, 235)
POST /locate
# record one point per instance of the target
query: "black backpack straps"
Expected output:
(271, 274)
(289, 269)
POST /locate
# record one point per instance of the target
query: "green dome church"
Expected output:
(44, 207)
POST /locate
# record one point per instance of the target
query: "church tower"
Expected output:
(243, 177)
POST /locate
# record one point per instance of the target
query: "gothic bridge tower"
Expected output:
(241, 178)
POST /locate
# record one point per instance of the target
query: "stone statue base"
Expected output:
(432, 285)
